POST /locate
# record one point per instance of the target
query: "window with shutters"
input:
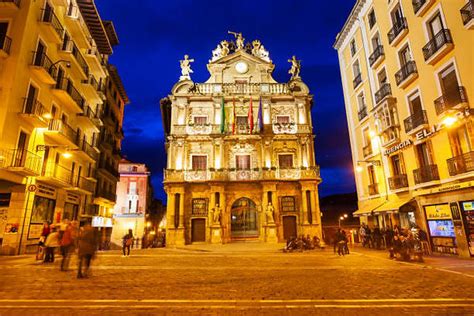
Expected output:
(199, 162)
(242, 162)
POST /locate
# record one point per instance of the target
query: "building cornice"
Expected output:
(341, 36)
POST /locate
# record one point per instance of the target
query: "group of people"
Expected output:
(340, 242)
(302, 243)
(402, 243)
(68, 237)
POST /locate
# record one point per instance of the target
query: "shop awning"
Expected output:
(366, 207)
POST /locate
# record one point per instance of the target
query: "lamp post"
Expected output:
(341, 218)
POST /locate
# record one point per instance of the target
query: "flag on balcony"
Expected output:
(232, 118)
(222, 116)
(250, 116)
(260, 117)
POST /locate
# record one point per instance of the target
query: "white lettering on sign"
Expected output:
(398, 147)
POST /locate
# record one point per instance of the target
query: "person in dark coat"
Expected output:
(127, 242)
(87, 247)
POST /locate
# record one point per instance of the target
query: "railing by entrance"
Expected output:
(461, 164)
(376, 54)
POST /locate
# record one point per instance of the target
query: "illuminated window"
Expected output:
(285, 161)
(242, 162)
(199, 162)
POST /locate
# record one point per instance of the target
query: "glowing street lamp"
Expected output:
(341, 218)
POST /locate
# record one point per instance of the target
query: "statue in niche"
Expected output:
(269, 214)
(186, 70)
(239, 40)
(295, 68)
(216, 214)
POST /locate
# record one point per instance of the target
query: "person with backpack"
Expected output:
(127, 242)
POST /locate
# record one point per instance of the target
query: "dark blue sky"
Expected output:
(155, 34)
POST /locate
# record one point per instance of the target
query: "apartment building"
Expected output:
(406, 68)
(53, 57)
(241, 161)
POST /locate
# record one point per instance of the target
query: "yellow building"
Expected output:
(241, 163)
(53, 56)
(406, 69)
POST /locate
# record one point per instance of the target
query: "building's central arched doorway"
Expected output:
(243, 220)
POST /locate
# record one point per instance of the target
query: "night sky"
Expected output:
(155, 34)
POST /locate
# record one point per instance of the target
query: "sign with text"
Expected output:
(440, 211)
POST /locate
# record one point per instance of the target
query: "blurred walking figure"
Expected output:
(87, 247)
(51, 243)
(127, 242)
(67, 244)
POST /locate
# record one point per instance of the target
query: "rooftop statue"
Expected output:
(259, 51)
(221, 50)
(239, 40)
(295, 68)
(186, 70)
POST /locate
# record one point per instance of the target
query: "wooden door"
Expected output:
(198, 230)
(289, 227)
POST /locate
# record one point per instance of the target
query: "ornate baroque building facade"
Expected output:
(406, 68)
(53, 70)
(241, 162)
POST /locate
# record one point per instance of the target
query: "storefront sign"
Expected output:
(35, 231)
(398, 147)
(445, 188)
(468, 206)
(99, 221)
(440, 211)
(456, 214)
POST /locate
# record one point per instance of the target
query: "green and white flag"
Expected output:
(223, 126)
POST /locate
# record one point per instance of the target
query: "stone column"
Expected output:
(170, 229)
(304, 215)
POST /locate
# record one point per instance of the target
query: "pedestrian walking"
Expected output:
(51, 243)
(67, 244)
(127, 242)
(41, 248)
(87, 248)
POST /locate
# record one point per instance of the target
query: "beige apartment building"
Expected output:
(53, 58)
(241, 163)
(406, 68)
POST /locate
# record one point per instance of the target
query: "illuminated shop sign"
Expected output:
(440, 211)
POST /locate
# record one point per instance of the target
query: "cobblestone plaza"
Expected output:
(239, 279)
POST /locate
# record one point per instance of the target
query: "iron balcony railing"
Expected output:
(93, 82)
(434, 45)
(418, 4)
(407, 70)
(87, 148)
(415, 120)
(89, 113)
(397, 28)
(367, 150)
(16, 2)
(398, 181)
(106, 194)
(20, 158)
(33, 107)
(461, 164)
(109, 168)
(5, 44)
(83, 183)
(426, 174)
(50, 17)
(362, 113)
(42, 60)
(57, 172)
(384, 91)
(66, 85)
(61, 127)
(70, 46)
(376, 54)
(450, 99)
(357, 80)
(467, 12)
(373, 189)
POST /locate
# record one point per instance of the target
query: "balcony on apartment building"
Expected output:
(95, 59)
(467, 14)
(362, 113)
(240, 88)
(377, 56)
(52, 28)
(65, 91)
(367, 150)
(108, 167)
(415, 120)
(10, 4)
(68, 49)
(43, 68)
(20, 161)
(461, 164)
(426, 173)
(383, 93)
(76, 25)
(453, 100)
(398, 182)
(373, 188)
(56, 175)
(397, 32)
(421, 6)
(5, 46)
(81, 184)
(91, 89)
(60, 134)
(407, 74)
(34, 113)
(102, 193)
(89, 118)
(86, 150)
(357, 81)
(438, 46)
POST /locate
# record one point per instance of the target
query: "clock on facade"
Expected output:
(241, 67)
